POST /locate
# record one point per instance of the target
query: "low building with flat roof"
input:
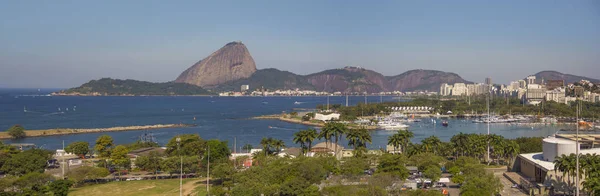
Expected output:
(538, 168)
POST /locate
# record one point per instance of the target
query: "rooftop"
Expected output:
(538, 158)
(558, 140)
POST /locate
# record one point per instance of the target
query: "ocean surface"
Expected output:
(223, 118)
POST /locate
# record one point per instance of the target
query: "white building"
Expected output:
(245, 87)
(530, 80)
(535, 93)
(459, 89)
(557, 95)
(326, 117)
(522, 84)
(445, 89)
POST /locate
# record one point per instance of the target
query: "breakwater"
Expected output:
(70, 131)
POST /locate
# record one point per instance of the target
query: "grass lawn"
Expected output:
(139, 188)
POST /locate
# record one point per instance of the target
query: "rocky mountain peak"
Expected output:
(232, 62)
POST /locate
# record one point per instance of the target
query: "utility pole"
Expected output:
(488, 125)
(180, 167)
(63, 161)
(577, 148)
(208, 172)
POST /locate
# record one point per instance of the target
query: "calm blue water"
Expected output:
(217, 117)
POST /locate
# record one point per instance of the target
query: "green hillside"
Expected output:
(108, 86)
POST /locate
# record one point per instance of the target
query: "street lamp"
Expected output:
(181, 166)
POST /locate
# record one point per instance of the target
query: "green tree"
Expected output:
(151, 163)
(34, 183)
(219, 152)
(394, 165)
(60, 187)
(80, 174)
(16, 131)
(401, 139)
(119, 157)
(247, 147)
(354, 166)
(358, 137)
(431, 144)
(311, 135)
(33, 160)
(78, 148)
(190, 145)
(432, 172)
(104, 144)
(266, 144)
(300, 138)
(480, 183)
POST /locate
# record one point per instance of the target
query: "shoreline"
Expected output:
(72, 131)
(308, 123)
(371, 127)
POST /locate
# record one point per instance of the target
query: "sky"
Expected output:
(48, 44)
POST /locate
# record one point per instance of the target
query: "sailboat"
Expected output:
(24, 109)
(58, 109)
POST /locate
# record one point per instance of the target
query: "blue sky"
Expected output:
(66, 43)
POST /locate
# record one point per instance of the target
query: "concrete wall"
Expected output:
(527, 168)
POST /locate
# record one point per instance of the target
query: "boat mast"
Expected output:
(346, 100)
(328, 102)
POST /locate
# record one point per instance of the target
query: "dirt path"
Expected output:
(188, 187)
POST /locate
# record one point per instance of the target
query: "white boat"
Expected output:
(391, 125)
(297, 103)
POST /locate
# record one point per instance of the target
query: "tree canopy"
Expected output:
(78, 148)
(16, 131)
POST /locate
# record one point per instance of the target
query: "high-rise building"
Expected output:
(472, 89)
(445, 89)
(522, 84)
(530, 80)
(513, 86)
(459, 89)
(488, 81)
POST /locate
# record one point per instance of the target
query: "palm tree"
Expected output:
(497, 144)
(511, 149)
(405, 136)
(300, 138)
(460, 141)
(353, 137)
(431, 143)
(395, 141)
(565, 164)
(266, 144)
(326, 133)
(311, 135)
(335, 130)
(278, 144)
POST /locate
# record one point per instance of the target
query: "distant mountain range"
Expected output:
(232, 66)
(568, 78)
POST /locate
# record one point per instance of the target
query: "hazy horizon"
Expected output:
(65, 44)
